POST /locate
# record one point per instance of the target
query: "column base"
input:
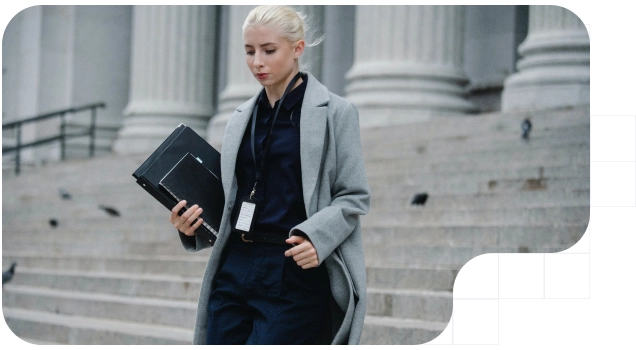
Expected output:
(543, 97)
(395, 92)
(143, 134)
(231, 98)
(377, 117)
(553, 73)
(148, 123)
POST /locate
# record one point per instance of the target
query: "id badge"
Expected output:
(247, 214)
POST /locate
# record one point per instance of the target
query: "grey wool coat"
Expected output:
(335, 193)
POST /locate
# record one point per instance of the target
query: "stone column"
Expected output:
(241, 84)
(408, 64)
(311, 60)
(172, 74)
(554, 70)
(337, 49)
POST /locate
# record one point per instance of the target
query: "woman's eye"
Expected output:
(249, 53)
(269, 52)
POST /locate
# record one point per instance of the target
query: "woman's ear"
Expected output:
(299, 48)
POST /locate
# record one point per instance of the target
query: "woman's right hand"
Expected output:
(189, 221)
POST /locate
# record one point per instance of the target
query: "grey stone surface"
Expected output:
(77, 330)
(107, 306)
(410, 304)
(391, 331)
(484, 197)
(191, 265)
(144, 285)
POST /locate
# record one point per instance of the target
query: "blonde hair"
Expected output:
(291, 23)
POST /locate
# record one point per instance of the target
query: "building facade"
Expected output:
(158, 66)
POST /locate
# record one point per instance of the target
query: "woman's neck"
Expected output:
(275, 93)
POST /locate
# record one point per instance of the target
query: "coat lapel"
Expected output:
(234, 131)
(313, 128)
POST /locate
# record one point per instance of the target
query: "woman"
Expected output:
(291, 270)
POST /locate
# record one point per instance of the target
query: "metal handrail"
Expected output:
(63, 135)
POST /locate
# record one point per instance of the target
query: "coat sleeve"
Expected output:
(350, 193)
(194, 243)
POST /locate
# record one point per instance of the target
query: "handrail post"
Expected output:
(91, 146)
(63, 135)
(17, 150)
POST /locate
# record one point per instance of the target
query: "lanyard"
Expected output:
(259, 172)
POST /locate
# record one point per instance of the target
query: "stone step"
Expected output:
(74, 172)
(469, 163)
(471, 127)
(79, 330)
(509, 235)
(410, 304)
(76, 231)
(87, 209)
(104, 191)
(398, 331)
(95, 192)
(483, 123)
(560, 171)
(382, 193)
(89, 229)
(418, 217)
(192, 265)
(457, 186)
(415, 167)
(516, 237)
(39, 342)
(113, 248)
(414, 144)
(103, 306)
(169, 287)
(423, 278)
(440, 257)
(132, 196)
(524, 199)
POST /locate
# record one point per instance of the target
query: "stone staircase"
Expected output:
(101, 279)
(488, 191)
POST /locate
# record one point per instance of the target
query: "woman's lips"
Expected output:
(261, 75)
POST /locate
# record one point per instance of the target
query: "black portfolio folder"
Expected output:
(183, 140)
(192, 181)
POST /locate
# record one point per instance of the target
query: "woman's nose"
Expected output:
(257, 60)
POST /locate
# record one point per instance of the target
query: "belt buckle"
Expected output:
(245, 240)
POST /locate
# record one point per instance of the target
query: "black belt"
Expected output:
(263, 237)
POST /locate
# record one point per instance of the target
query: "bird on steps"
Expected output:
(110, 211)
(526, 126)
(8, 275)
(419, 199)
(64, 194)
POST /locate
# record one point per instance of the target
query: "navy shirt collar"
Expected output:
(292, 98)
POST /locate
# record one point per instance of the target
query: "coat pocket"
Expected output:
(348, 274)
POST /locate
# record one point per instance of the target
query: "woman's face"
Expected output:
(270, 56)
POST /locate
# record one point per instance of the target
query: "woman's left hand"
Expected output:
(304, 252)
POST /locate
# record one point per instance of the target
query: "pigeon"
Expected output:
(110, 211)
(526, 126)
(8, 275)
(419, 199)
(53, 223)
(64, 194)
